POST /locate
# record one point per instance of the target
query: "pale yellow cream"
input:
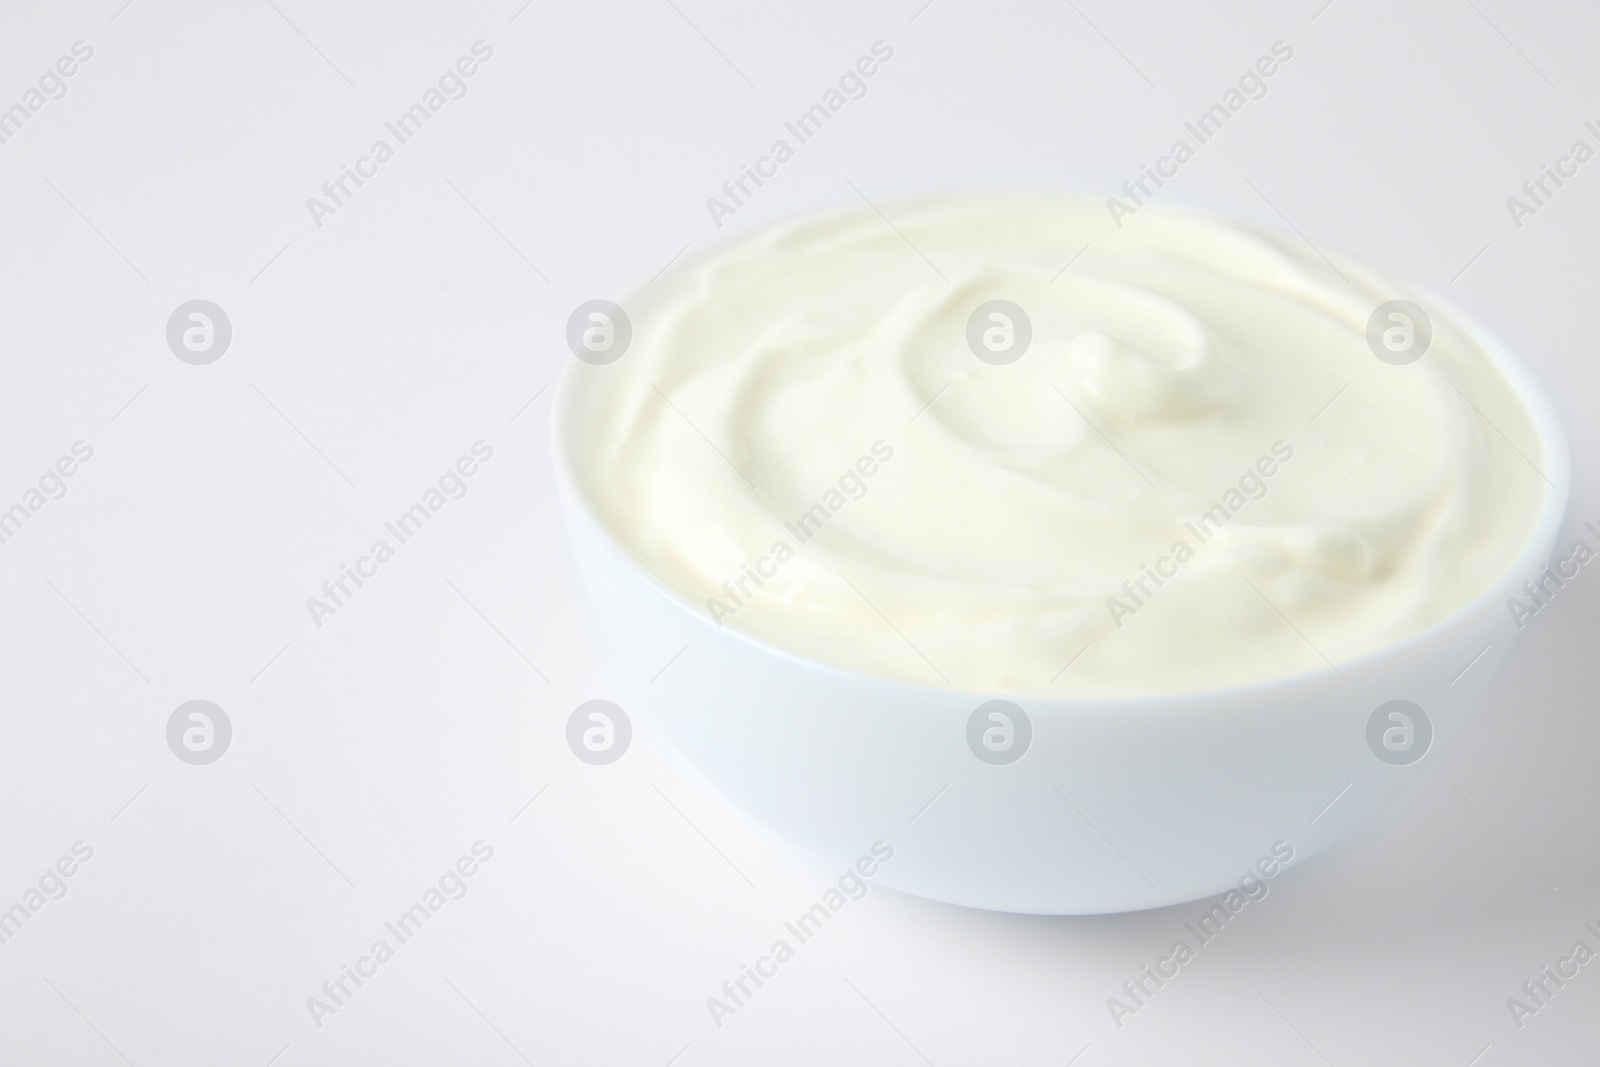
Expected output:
(1197, 474)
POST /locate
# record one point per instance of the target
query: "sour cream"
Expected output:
(1197, 473)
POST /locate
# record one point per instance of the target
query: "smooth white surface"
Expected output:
(405, 729)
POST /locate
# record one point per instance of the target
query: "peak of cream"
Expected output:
(1198, 474)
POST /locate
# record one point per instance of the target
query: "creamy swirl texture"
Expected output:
(1197, 473)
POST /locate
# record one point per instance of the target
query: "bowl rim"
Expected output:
(1530, 555)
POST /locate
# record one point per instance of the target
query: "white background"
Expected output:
(370, 352)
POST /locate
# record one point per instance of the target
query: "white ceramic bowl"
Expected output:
(1117, 805)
